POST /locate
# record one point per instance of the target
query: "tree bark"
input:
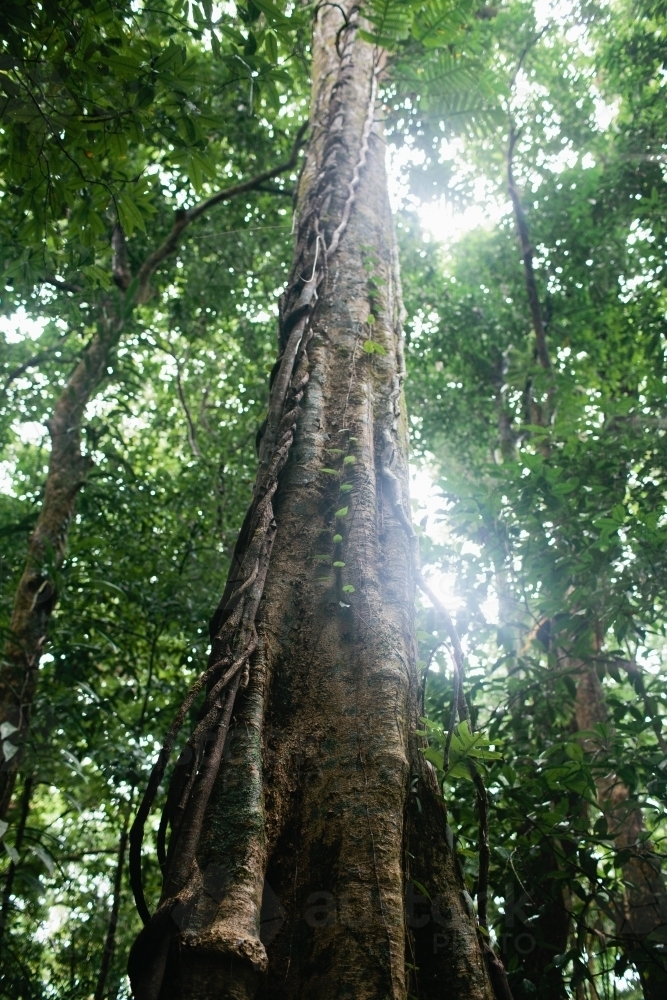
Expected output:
(641, 916)
(323, 812)
(36, 594)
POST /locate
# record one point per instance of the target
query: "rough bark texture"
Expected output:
(641, 916)
(323, 809)
(36, 594)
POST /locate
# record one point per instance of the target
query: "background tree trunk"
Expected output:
(641, 916)
(323, 809)
(110, 938)
(36, 593)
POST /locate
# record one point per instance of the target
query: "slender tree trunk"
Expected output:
(110, 939)
(641, 916)
(36, 593)
(18, 843)
(537, 921)
(539, 397)
(323, 813)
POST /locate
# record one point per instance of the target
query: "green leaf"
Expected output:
(330, 472)
(372, 347)
(337, 539)
(421, 888)
(44, 857)
(339, 564)
(465, 748)
(575, 751)
(11, 851)
(341, 512)
(390, 21)
(273, 15)
(271, 45)
(434, 757)
(129, 214)
(349, 460)
(348, 589)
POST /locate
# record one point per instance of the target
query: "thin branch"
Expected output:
(272, 189)
(192, 434)
(32, 362)
(524, 52)
(527, 256)
(184, 218)
(120, 262)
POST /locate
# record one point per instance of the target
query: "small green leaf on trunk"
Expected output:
(372, 347)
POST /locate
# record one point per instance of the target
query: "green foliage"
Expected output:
(391, 21)
(467, 750)
(110, 108)
(555, 532)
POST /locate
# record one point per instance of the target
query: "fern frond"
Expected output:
(390, 20)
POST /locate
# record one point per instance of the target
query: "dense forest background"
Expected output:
(528, 144)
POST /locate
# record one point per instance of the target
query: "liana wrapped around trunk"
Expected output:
(302, 814)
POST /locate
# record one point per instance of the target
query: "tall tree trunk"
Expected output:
(322, 810)
(641, 916)
(36, 595)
